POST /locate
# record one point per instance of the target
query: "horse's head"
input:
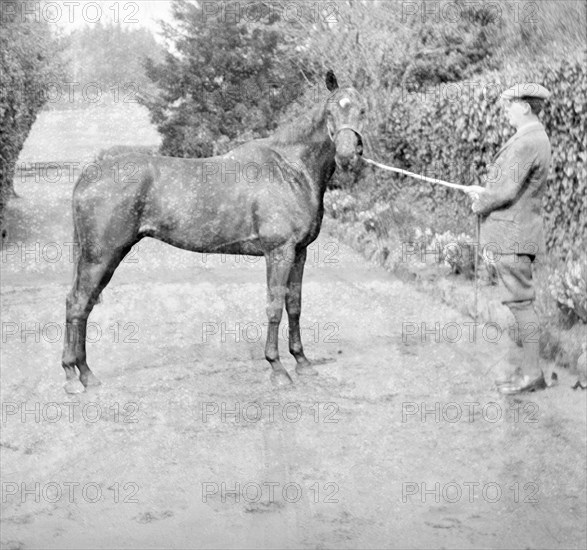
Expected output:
(345, 117)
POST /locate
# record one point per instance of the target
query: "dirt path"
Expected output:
(398, 443)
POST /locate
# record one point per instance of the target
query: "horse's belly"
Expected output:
(206, 231)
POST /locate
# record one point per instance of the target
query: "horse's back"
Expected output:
(117, 150)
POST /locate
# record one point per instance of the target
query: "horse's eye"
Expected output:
(362, 111)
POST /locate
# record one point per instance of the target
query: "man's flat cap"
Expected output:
(526, 90)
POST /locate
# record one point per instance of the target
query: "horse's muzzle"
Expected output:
(349, 152)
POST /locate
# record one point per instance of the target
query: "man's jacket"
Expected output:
(516, 182)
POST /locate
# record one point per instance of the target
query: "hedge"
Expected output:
(28, 65)
(453, 131)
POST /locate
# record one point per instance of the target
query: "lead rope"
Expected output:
(413, 175)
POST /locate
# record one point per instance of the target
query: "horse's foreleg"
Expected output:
(90, 280)
(279, 264)
(293, 305)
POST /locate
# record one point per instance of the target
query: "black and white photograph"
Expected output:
(293, 274)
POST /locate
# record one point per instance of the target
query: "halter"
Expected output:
(344, 127)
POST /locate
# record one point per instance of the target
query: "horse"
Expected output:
(264, 198)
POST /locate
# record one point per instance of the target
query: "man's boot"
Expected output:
(528, 329)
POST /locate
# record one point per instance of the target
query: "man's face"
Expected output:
(515, 111)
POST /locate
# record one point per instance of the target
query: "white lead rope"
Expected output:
(413, 175)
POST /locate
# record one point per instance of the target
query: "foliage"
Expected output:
(456, 251)
(568, 286)
(340, 205)
(566, 120)
(222, 78)
(28, 65)
(111, 56)
(447, 53)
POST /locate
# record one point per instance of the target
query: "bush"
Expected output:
(568, 286)
(28, 64)
(340, 205)
(456, 251)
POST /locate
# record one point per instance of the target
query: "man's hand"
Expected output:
(474, 192)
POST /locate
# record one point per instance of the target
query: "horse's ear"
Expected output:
(331, 82)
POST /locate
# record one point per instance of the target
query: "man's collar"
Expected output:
(529, 127)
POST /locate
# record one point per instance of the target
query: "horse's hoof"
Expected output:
(306, 370)
(89, 380)
(281, 378)
(74, 386)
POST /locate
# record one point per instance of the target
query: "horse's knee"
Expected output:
(73, 308)
(274, 315)
(75, 315)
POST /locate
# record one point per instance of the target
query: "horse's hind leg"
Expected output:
(293, 305)
(93, 274)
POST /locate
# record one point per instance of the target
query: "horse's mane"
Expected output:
(301, 128)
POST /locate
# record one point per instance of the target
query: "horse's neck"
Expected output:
(316, 153)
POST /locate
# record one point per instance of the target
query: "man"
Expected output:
(511, 223)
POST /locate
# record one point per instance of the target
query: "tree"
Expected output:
(113, 58)
(28, 65)
(224, 75)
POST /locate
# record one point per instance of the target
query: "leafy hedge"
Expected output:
(28, 64)
(568, 286)
(452, 132)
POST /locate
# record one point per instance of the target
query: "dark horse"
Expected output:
(264, 198)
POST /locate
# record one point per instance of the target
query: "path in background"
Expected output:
(79, 134)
